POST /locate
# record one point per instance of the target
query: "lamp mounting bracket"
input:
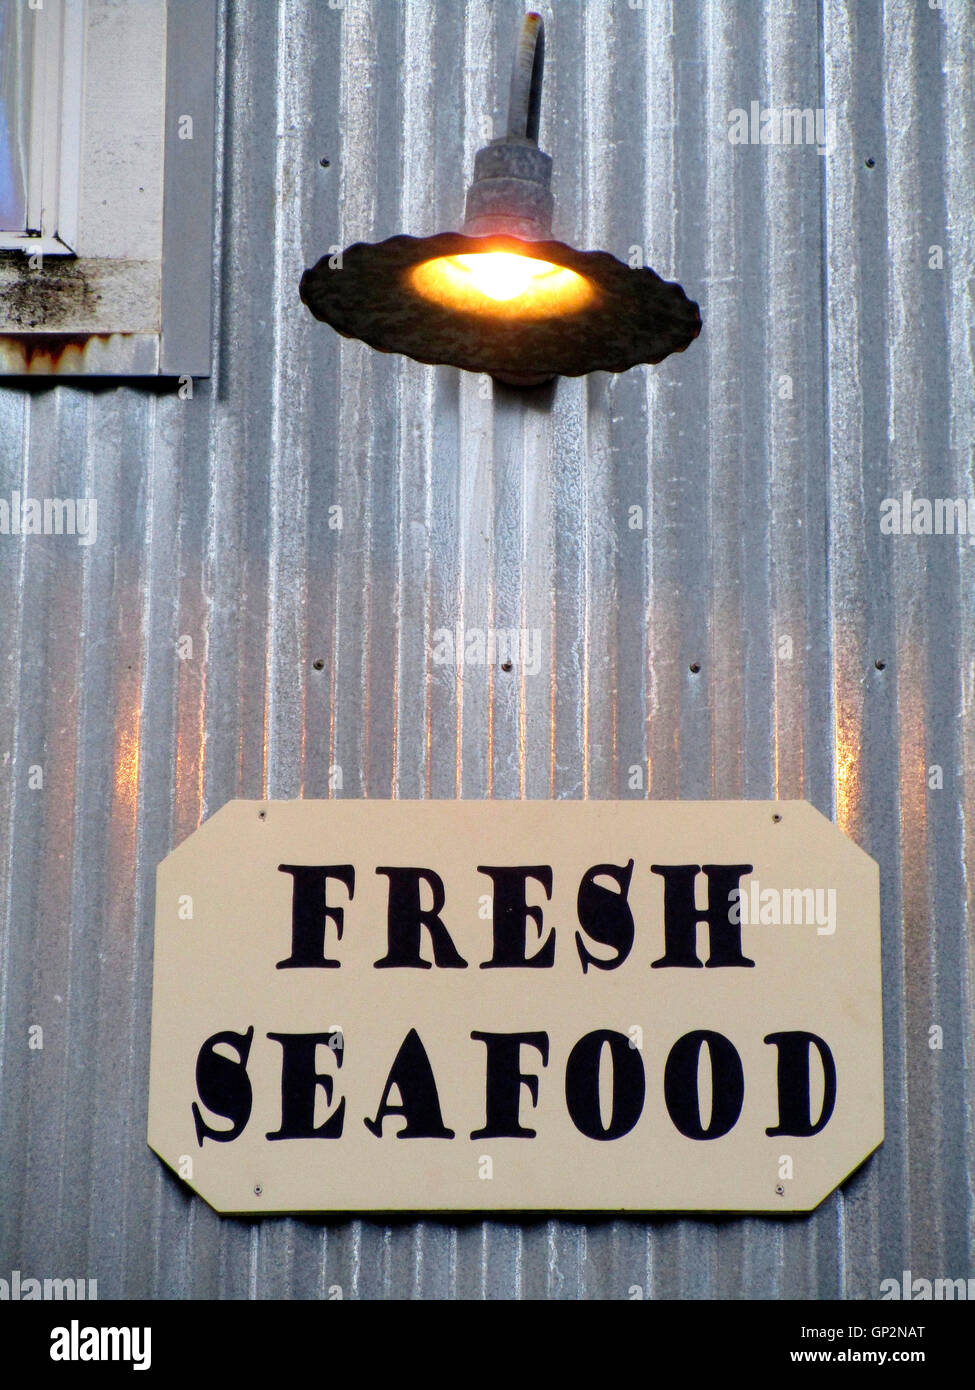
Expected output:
(511, 194)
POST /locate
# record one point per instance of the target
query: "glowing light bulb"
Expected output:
(502, 284)
(501, 275)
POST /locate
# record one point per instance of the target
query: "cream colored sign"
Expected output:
(477, 1006)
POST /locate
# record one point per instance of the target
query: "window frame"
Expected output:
(54, 132)
(175, 339)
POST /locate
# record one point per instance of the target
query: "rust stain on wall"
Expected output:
(48, 353)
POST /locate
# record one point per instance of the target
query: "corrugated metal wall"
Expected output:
(760, 521)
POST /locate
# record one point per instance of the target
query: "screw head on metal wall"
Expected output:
(503, 297)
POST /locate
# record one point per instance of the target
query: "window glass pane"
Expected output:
(16, 31)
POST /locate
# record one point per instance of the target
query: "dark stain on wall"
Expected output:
(44, 297)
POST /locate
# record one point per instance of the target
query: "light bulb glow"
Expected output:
(500, 275)
(502, 284)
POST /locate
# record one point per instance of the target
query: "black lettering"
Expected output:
(505, 1080)
(582, 1085)
(223, 1085)
(299, 1084)
(412, 1075)
(405, 919)
(793, 1083)
(681, 1089)
(605, 915)
(309, 911)
(511, 914)
(681, 915)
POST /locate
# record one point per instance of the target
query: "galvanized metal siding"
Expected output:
(761, 522)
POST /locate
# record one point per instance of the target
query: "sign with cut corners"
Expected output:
(516, 1006)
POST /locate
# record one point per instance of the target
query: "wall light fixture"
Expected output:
(502, 297)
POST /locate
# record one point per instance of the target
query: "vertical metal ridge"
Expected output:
(357, 370)
(14, 450)
(661, 203)
(354, 370)
(792, 654)
(908, 466)
(959, 125)
(475, 486)
(851, 330)
(719, 725)
(411, 679)
(600, 673)
(290, 441)
(155, 708)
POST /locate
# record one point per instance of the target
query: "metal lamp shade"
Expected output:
(633, 315)
(583, 311)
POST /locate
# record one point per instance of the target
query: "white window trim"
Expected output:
(117, 306)
(54, 142)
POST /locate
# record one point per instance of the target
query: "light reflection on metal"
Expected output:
(127, 765)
